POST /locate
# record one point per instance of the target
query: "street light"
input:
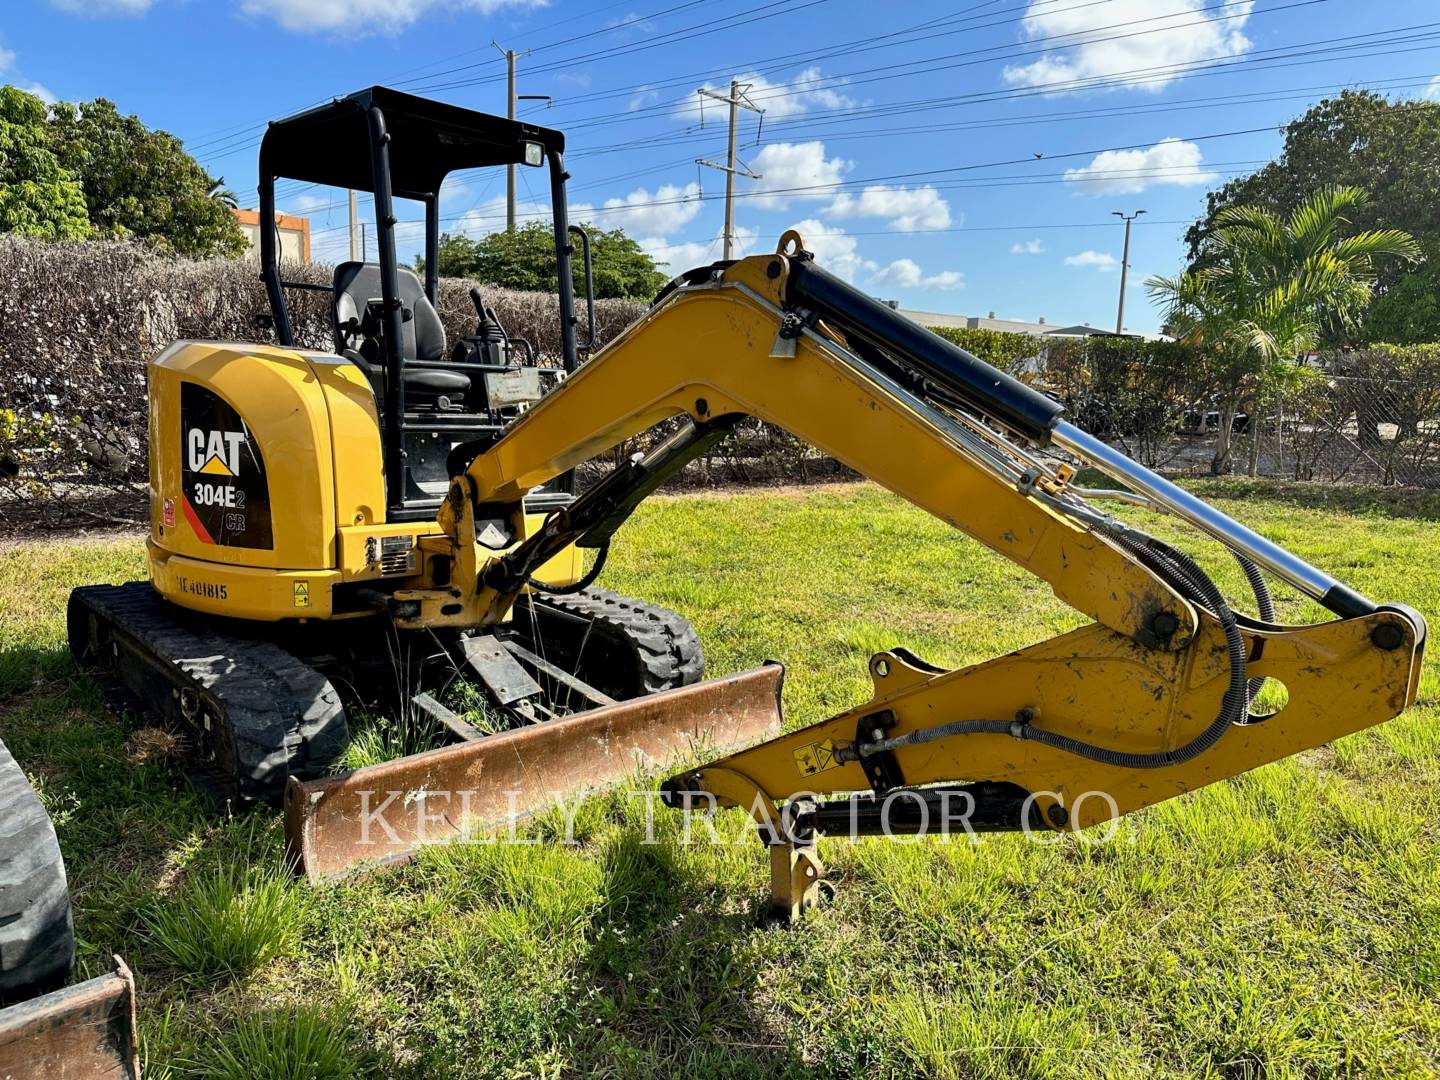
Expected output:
(1124, 267)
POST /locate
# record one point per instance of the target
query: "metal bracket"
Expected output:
(882, 769)
(544, 667)
(797, 880)
(500, 673)
(431, 709)
(792, 324)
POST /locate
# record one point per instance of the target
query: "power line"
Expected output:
(674, 37)
(795, 59)
(227, 134)
(1086, 38)
(852, 115)
(1185, 105)
(837, 186)
(847, 79)
(630, 20)
(845, 116)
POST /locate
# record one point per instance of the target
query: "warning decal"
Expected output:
(226, 495)
(816, 757)
(302, 594)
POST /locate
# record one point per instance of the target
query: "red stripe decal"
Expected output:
(194, 521)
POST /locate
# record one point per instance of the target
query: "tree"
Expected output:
(38, 195)
(1358, 139)
(525, 259)
(1267, 288)
(142, 184)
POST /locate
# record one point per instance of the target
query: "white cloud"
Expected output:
(809, 89)
(902, 273)
(1183, 36)
(677, 257)
(1027, 247)
(40, 90)
(1100, 260)
(659, 214)
(97, 8)
(308, 204)
(907, 209)
(1432, 92)
(7, 69)
(1122, 172)
(785, 166)
(489, 216)
(906, 274)
(839, 252)
(945, 280)
(646, 95)
(834, 248)
(359, 16)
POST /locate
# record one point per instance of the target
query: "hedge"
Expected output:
(79, 322)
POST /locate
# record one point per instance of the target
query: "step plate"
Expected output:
(382, 814)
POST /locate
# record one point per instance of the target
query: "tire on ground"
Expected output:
(37, 937)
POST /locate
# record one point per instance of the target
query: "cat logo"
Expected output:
(224, 494)
(214, 453)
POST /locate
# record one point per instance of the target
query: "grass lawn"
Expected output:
(1286, 923)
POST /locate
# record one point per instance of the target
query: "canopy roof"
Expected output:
(330, 144)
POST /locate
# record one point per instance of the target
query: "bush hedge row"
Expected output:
(79, 322)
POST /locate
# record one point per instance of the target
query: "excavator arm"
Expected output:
(1151, 700)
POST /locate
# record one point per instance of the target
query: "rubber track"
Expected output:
(283, 716)
(666, 648)
(37, 937)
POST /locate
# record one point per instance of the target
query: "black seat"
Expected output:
(422, 334)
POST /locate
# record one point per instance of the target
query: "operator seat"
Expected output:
(422, 335)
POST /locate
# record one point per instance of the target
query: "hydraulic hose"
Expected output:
(574, 587)
(1185, 575)
(1264, 606)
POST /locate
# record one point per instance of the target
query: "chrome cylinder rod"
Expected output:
(1286, 566)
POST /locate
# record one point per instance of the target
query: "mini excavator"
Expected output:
(393, 512)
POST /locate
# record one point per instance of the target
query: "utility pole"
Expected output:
(510, 57)
(355, 252)
(737, 101)
(1124, 268)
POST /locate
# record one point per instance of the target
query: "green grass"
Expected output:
(225, 922)
(303, 1044)
(1281, 924)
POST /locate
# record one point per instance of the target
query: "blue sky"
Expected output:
(962, 157)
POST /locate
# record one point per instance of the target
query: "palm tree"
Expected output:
(223, 195)
(1271, 289)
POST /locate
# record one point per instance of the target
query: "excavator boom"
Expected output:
(1151, 700)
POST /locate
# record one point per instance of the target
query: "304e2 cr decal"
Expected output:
(226, 495)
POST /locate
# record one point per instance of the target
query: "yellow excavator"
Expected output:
(395, 516)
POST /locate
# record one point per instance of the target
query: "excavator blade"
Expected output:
(384, 813)
(81, 1032)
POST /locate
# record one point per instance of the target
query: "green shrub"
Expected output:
(1005, 351)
